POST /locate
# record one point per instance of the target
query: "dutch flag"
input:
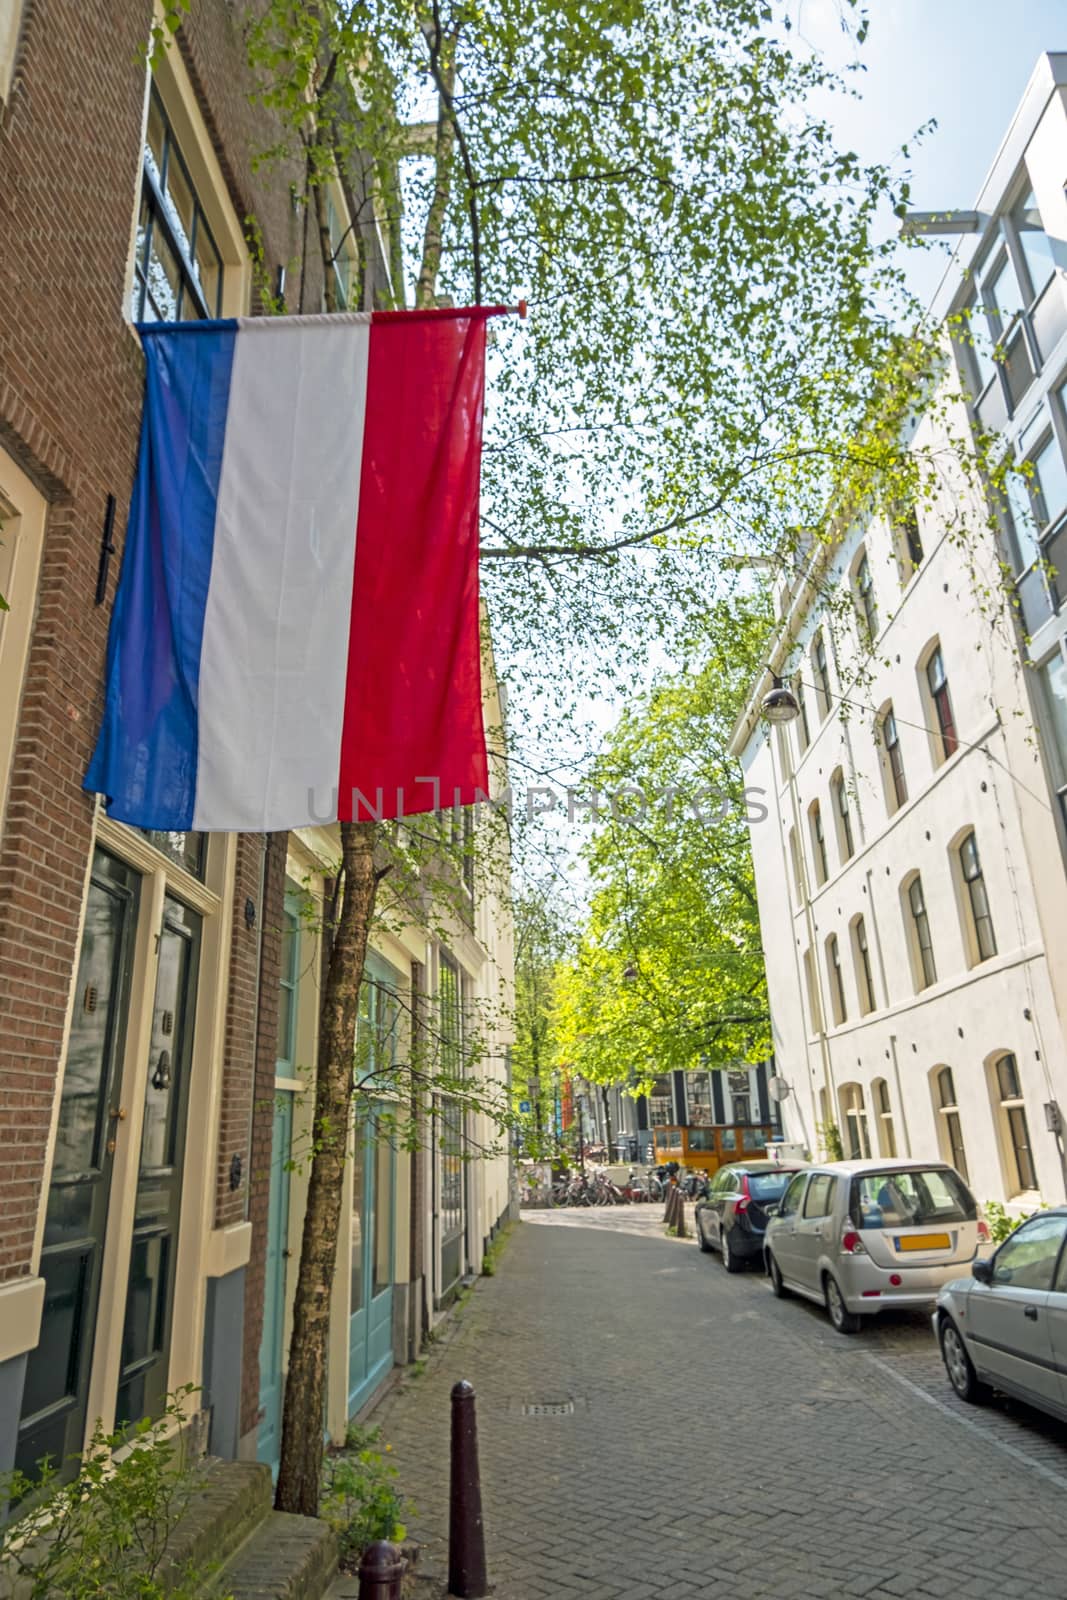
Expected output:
(296, 630)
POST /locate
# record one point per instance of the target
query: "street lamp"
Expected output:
(779, 705)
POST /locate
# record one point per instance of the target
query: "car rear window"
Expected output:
(768, 1185)
(910, 1199)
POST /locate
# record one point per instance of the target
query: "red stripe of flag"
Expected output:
(413, 735)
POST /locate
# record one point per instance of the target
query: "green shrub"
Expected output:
(104, 1534)
(1001, 1222)
(359, 1498)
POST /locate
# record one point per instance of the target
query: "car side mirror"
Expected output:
(771, 1211)
(982, 1271)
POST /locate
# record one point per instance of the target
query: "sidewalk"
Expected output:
(722, 1445)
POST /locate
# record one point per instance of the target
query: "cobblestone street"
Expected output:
(721, 1443)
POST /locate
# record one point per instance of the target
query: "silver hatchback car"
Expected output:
(862, 1236)
(1005, 1327)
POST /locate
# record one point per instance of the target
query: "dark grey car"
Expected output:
(733, 1216)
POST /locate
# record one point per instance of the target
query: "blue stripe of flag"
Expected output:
(145, 759)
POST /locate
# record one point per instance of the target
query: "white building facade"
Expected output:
(911, 870)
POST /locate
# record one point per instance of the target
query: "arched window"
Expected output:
(866, 604)
(861, 956)
(920, 940)
(944, 740)
(837, 981)
(820, 672)
(909, 545)
(803, 730)
(949, 1132)
(1020, 1171)
(887, 1139)
(798, 871)
(814, 1006)
(978, 931)
(856, 1138)
(818, 842)
(842, 816)
(896, 787)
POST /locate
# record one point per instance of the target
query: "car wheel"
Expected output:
(844, 1320)
(701, 1238)
(777, 1285)
(731, 1262)
(960, 1367)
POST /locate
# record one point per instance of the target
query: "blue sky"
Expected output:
(964, 62)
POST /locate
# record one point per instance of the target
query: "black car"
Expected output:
(733, 1217)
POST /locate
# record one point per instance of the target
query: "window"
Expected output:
(1048, 483)
(865, 597)
(1028, 1259)
(1015, 1129)
(819, 1200)
(342, 250)
(288, 984)
(907, 544)
(893, 764)
(950, 1136)
(791, 1199)
(839, 796)
(864, 978)
(818, 841)
(1052, 693)
(10, 18)
(177, 265)
(661, 1102)
(911, 1199)
(922, 943)
(981, 919)
(798, 875)
(947, 741)
(803, 731)
(1047, 316)
(854, 1117)
(814, 1007)
(887, 1139)
(698, 1097)
(821, 673)
(837, 984)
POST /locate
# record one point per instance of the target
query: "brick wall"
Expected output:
(70, 396)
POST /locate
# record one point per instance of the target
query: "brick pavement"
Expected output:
(723, 1444)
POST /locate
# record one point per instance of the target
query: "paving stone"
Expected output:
(723, 1444)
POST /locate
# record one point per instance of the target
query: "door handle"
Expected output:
(1031, 1312)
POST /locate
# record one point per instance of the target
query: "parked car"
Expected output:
(1005, 1327)
(862, 1236)
(733, 1216)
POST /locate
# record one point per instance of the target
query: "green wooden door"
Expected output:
(370, 1328)
(272, 1343)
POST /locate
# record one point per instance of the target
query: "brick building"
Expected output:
(140, 975)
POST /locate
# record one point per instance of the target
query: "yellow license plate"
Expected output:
(924, 1241)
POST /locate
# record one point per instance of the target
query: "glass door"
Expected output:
(370, 1328)
(57, 1375)
(153, 1255)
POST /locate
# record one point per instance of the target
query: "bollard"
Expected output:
(466, 1531)
(679, 1217)
(381, 1572)
(669, 1207)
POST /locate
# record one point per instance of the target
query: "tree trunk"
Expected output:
(300, 1473)
(433, 234)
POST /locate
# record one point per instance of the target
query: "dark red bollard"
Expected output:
(466, 1531)
(381, 1572)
